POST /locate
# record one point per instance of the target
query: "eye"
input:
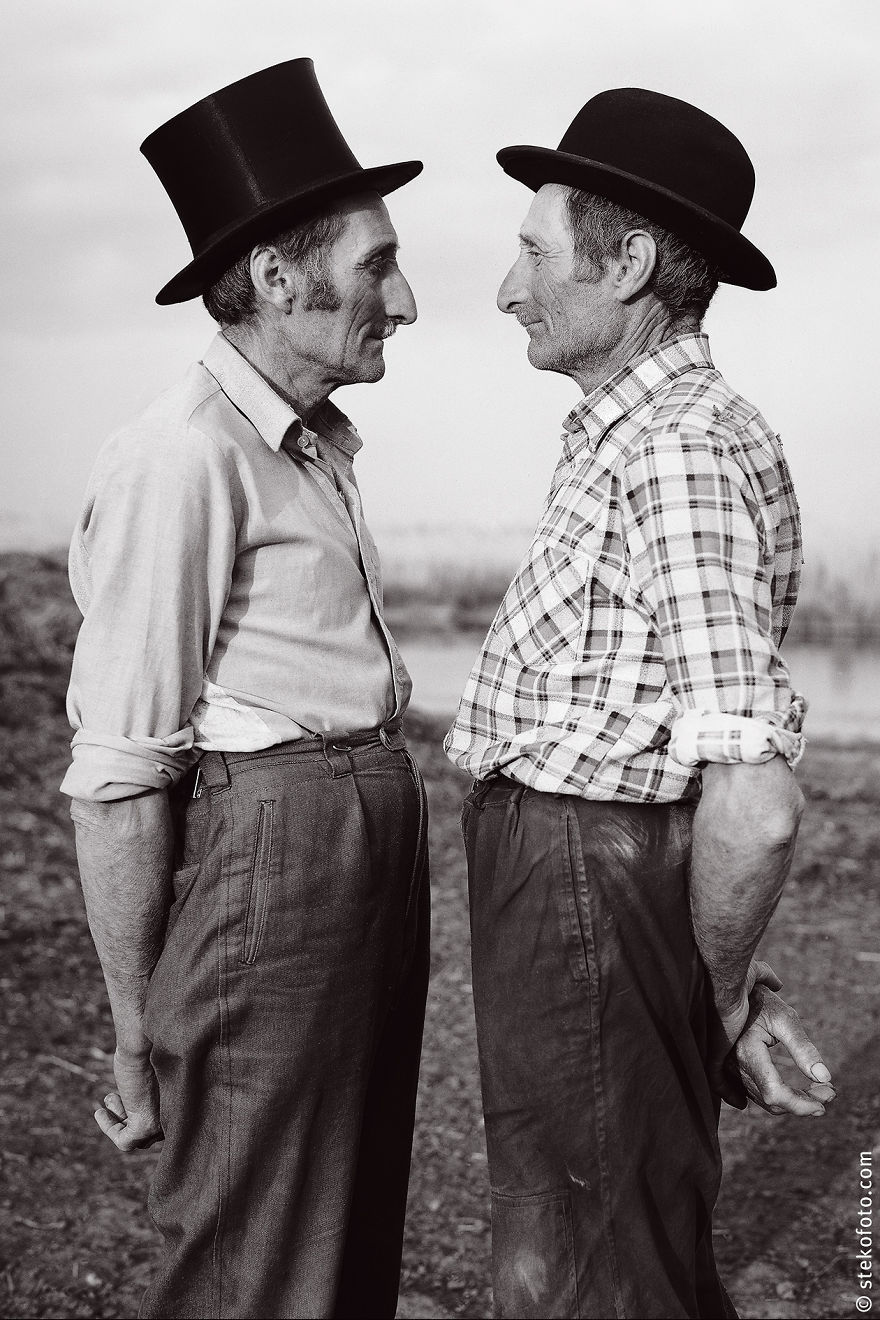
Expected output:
(382, 263)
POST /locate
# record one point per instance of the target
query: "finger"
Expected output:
(784, 1100)
(130, 1134)
(764, 1084)
(819, 1091)
(777, 1097)
(788, 1030)
(765, 975)
(113, 1102)
(114, 1128)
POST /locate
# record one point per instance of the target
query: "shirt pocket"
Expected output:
(542, 616)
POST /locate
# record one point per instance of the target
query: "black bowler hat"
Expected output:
(666, 159)
(250, 161)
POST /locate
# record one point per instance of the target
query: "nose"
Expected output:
(400, 305)
(512, 291)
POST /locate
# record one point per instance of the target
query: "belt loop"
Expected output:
(479, 789)
(337, 758)
(392, 737)
(213, 771)
(482, 787)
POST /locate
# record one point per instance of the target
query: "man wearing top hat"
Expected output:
(250, 825)
(632, 728)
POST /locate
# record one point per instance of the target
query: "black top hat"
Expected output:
(250, 161)
(666, 159)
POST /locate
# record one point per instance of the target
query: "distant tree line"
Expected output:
(839, 607)
(38, 618)
(831, 607)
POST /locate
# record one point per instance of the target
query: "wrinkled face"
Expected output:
(343, 334)
(570, 316)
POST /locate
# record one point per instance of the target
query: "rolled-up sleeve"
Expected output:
(702, 570)
(150, 567)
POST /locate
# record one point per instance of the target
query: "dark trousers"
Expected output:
(286, 1018)
(591, 1017)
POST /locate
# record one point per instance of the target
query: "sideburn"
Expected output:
(320, 294)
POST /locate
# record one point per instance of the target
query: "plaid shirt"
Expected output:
(640, 636)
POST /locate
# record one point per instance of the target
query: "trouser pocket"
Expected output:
(533, 1261)
(258, 893)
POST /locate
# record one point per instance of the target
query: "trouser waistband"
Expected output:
(502, 783)
(214, 768)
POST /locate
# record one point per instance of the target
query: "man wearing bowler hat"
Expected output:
(250, 825)
(632, 728)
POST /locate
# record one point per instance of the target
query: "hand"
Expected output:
(730, 1023)
(750, 1070)
(129, 1116)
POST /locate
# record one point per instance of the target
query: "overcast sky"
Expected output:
(462, 430)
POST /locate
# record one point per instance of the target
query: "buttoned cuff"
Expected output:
(699, 736)
(106, 767)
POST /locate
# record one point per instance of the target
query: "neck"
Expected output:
(645, 331)
(301, 384)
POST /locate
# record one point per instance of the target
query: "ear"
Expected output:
(272, 278)
(635, 264)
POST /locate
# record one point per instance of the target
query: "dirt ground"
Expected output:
(74, 1235)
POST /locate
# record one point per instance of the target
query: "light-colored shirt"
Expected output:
(640, 636)
(230, 591)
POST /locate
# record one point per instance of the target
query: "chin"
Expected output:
(371, 371)
(539, 356)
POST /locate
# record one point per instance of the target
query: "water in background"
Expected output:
(841, 683)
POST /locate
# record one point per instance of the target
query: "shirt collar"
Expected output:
(271, 416)
(591, 419)
(331, 424)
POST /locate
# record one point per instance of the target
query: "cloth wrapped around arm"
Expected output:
(699, 736)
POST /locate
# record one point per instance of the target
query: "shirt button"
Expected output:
(303, 442)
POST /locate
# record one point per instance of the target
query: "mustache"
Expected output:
(526, 316)
(384, 329)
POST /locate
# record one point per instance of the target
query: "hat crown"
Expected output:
(246, 163)
(234, 151)
(669, 143)
(665, 160)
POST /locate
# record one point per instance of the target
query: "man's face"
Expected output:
(344, 333)
(570, 316)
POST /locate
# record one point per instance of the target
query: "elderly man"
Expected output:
(631, 727)
(250, 826)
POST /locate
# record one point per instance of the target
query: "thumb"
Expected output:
(761, 973)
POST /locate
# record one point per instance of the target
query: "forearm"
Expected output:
(125, 850)
(744, 834)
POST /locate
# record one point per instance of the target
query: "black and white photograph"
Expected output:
(439, 660)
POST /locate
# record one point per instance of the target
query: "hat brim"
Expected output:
(228, 245)
(738, 260)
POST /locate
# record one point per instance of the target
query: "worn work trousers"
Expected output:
(286, 1018)
(591, 1014)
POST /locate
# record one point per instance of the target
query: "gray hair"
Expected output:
(232, 300)
(682, 280)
